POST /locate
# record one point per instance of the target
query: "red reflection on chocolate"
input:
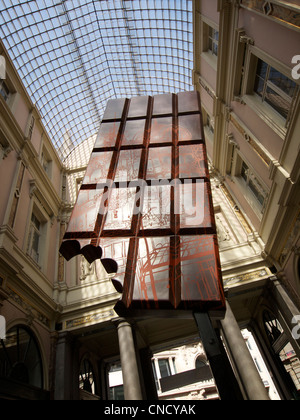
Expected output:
(145, 208)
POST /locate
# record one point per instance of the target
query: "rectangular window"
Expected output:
(253, 184)
(209, 124)
(209, 42)
(46, 162)
(155, 375)
(31, 127)
(116, 393)
(257, 365)
(164, 367)
(213, 41)
(34, 240)
(274, 88)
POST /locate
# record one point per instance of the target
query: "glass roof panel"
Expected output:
(74, 55)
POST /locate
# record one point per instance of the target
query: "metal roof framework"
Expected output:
(75, 55)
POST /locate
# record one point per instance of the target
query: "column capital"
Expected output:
(119, 322)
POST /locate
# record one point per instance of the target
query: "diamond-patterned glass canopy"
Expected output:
(74, 55)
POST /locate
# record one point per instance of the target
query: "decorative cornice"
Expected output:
(247, 277)
(9, 233)
(32, 187)
(4, 151)
(206, 87)
(232, 141)
(244, 39)
(288, 14)
(90, 319)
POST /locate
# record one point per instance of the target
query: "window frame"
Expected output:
(4, 87)
(12, 350)
(250, 178)
(46, 162)
(87, 379)
(246, 189)
(12, 92)
(208, 124)
(34, 239)
(35, 234)
(248, 96)
(167, 366)
(267, 83)
(206, 53)
(213, 40)
(43, 233)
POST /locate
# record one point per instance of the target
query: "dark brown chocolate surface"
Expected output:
(145, 206)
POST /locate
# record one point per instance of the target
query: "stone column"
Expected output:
(66, 372)
(242, 359)
(131, 378)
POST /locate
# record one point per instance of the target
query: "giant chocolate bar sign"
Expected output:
(145, 207)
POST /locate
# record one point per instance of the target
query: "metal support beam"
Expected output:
(224, 377)
(242, 358)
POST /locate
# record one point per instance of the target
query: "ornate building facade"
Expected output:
(244, 66)
(62, 334)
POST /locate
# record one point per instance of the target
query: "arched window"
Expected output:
(200, 362)
(283, 352)
(272, 327)
(20, 357)
(86, 377)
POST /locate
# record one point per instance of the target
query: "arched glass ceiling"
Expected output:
(74, 55)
